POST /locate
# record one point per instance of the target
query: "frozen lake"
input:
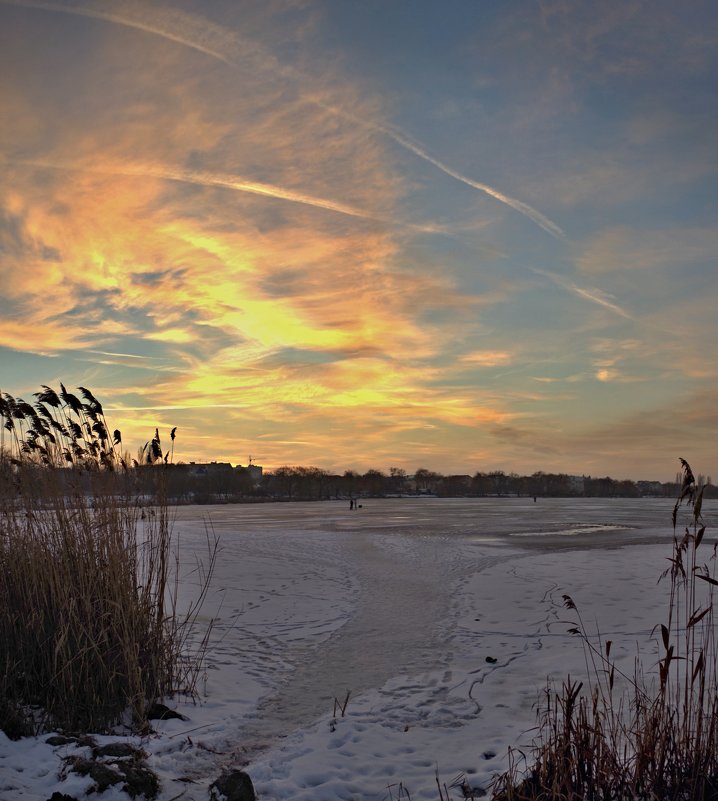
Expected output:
(401, 602)
(442, 617)
(485, 519)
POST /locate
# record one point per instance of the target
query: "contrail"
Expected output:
(238, 184)
(189, 30)
(517, 205)
(122, 355)
(213, 40)
(180, 407)
(401, 139)
(594, 295)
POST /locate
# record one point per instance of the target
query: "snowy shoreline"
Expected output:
(443, 619)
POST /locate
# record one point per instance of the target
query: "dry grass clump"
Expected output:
(89, 634)
(658, 739)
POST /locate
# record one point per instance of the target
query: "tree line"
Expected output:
(299, 483)
(315, 483)
(69, 433)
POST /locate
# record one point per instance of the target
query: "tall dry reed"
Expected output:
(89, 632)
(657, 739)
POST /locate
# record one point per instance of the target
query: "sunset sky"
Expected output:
(462, 235)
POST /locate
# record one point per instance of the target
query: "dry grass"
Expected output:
(656, 740)
(89, 632)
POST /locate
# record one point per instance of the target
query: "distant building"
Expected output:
(224, 468)
(208, 468)
(255, 472)
(460, 480)
(650, 488)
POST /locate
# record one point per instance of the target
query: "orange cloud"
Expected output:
(258, 246)
(486, 358)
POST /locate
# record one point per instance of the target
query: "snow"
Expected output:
(443, 620)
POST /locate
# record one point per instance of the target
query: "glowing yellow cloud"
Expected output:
(257, 251)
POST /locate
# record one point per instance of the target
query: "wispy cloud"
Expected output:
(227, 46)
(34, 334)
(486, 358)
(235, 183)
(626, 249)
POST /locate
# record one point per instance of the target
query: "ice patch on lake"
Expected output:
(573, 531)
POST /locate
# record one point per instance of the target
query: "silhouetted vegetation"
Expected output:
(658, 737)
(220, 482)
(89, 634)
(312, 483)
(67, 433)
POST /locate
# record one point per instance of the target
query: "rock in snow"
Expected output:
(235, 786)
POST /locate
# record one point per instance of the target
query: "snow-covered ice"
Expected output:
(441, 618)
